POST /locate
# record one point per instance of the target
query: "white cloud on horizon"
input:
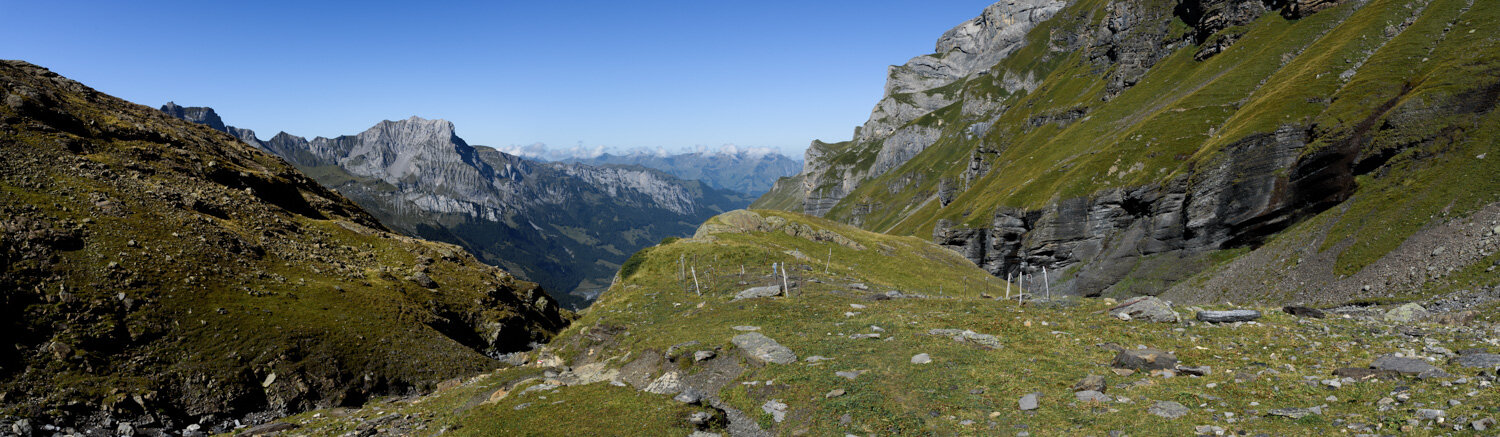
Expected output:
(545, 152)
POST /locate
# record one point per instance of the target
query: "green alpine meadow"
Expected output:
(1070, 218)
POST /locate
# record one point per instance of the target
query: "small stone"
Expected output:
(1483, 424)
(700, 418)
(835, 393)
(1029, 402)
(1430, 414)
(1168, 409)
(921, 359)
(703, 355)
(746, 328)
(849, 374)
(1123, 372)
(689, 396)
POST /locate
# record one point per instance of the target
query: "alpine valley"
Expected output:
(1073, 218)
(566, 226)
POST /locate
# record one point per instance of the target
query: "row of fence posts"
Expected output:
(686, 271)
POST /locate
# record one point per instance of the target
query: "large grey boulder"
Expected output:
(1230, 316)
(763, 348)
(1409, 366)
(1147, 308)
(1145, 359)
(766, 291)
(1407, 313)
(1029, 402)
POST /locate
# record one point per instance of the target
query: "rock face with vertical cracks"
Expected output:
(1235, 201)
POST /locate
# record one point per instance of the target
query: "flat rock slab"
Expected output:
(1409, 366)
(1145, 359)
(971, 337)
(1365, 374)
(1296, 413)
(1301, 311)
(1147, 308)
(763, 348)
(1168, 409)
(1091, 383)
(921, 359)
(1486, 361)
(1091, 396)
(752, 293)
(1230, 316)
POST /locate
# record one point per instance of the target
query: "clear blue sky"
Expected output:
(623, 74)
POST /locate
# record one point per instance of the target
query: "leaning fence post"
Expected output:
(1046, 284)
(695, 281)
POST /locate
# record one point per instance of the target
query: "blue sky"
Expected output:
(673, 74)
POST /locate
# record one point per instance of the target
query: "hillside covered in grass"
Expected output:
(160, 276)
(1129, 145)
(897, 336)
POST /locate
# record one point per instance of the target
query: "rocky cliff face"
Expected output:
(1125, 146)
(915, 89)
(162, 275)
(566, 226)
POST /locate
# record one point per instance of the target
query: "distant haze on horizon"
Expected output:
(675, 76)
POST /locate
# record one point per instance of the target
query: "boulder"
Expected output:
(1091, 383)
(763, 348)
(1145, 359)
(1301, 311)
(1147, 308)
(1029, 402)
(1409, 366)
(752, 293)
(1091, 396)
(1168, 409)
(1230, 316)
(1407, 314)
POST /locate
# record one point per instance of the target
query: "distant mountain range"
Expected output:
(567, 226)
(752, 172)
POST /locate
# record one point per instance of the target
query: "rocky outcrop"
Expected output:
(915, 89)
(1237, 200)
(563, 225)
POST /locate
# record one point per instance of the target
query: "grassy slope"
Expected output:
(192, 311)
(1044, 348)
(786, 195)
